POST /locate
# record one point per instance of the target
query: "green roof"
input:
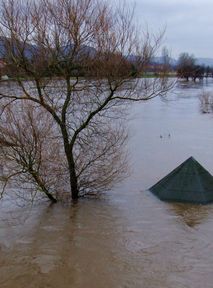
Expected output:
(189, 182)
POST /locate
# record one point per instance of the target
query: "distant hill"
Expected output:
(83, 51)
(174, 62)
(31, 50)
(205, 61)
(160, 60)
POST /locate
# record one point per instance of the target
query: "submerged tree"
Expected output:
(33, 155)
(70, 60)
(186, 66)
(30, 151)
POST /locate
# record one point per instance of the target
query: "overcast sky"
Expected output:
(189, 24)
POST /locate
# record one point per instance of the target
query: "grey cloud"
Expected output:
(189, 24)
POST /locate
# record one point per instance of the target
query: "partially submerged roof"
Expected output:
(189, 182)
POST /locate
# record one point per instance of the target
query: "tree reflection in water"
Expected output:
(192, 215)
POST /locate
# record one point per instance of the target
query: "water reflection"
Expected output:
(128, 238)
(63, 246)
(191, 215)
(182, 84)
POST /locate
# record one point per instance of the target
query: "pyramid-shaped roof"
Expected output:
(189, 182)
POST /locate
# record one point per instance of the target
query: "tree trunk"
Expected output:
(72, 172)
(74, 184)
(52, 199)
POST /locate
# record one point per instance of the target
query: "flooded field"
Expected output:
(126, 238)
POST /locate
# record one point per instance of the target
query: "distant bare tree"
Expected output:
(76, 56)
(186, 66)
(167, 67)
(206, 101)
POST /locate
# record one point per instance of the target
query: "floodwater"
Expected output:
(127, 237)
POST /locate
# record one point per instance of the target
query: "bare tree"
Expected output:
(206, 101)
(30, 151)
(187, 68)
(71, 58)
(32, 154)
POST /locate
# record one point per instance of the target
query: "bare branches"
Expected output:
(75, 64)
(27, 132)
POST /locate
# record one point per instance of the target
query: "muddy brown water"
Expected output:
(127, 237)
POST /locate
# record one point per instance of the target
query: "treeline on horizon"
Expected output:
(55, 62)
(185, 67)
(52, 63)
